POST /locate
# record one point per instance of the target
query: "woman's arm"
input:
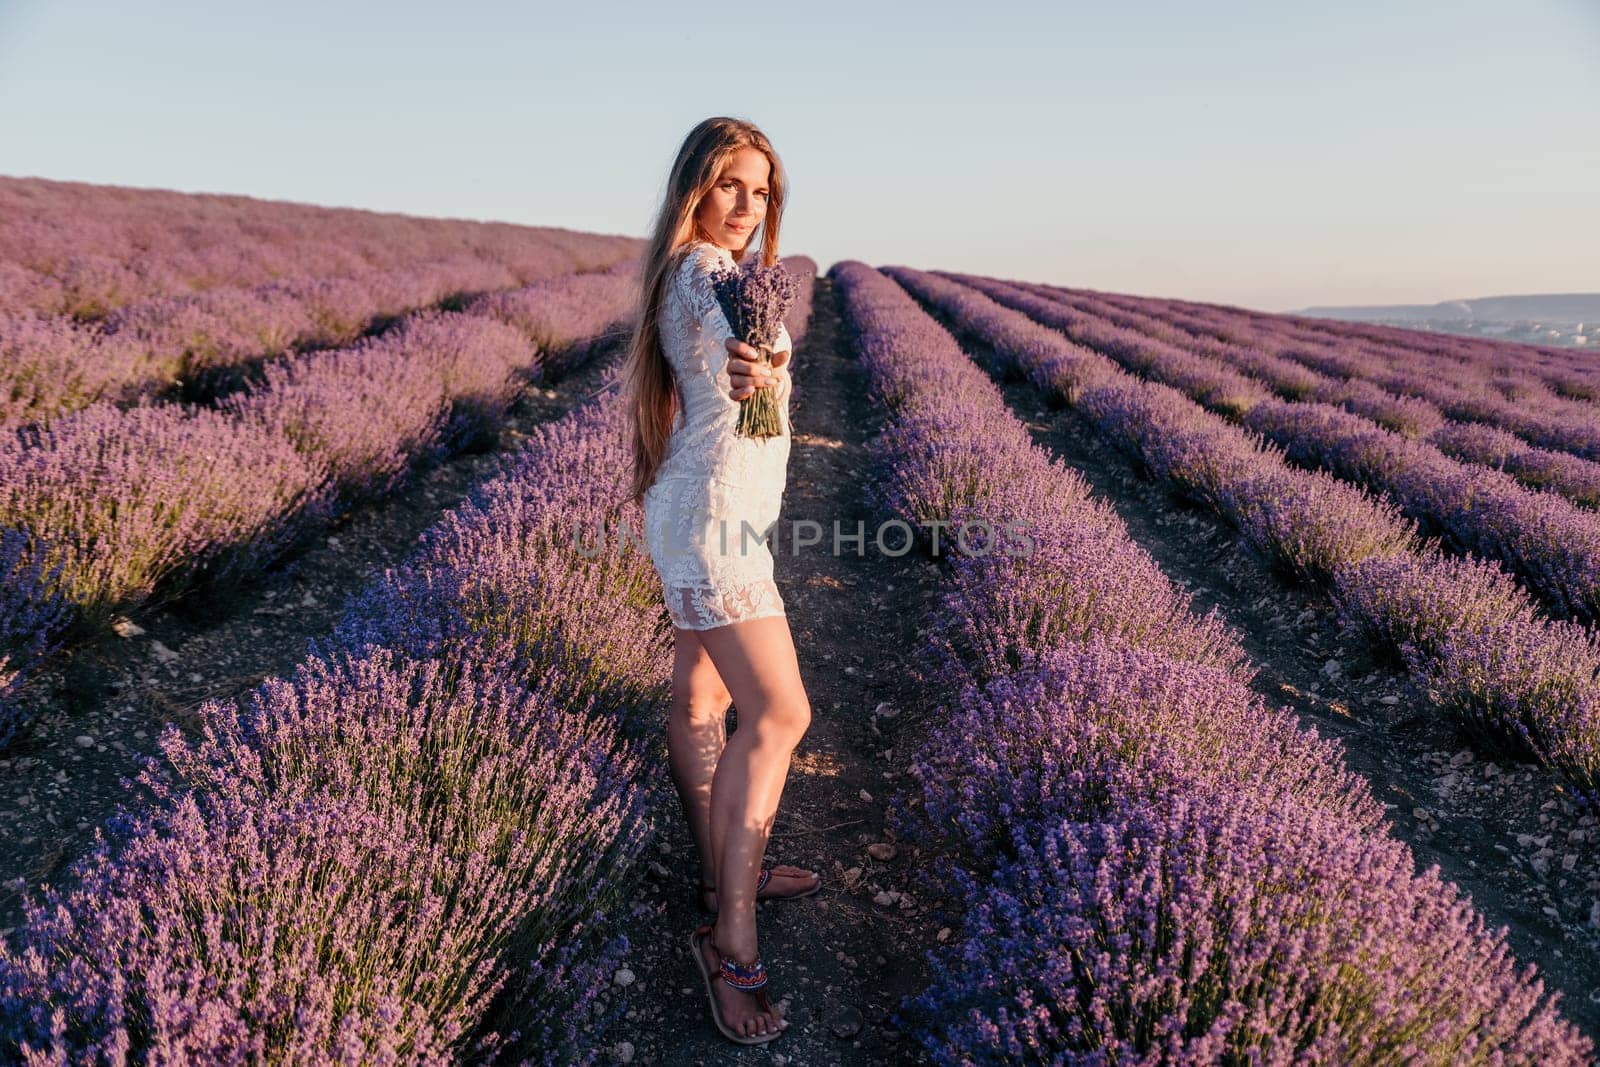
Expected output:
(731, 355)
(693, 279)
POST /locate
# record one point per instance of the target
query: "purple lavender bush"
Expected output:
(1084, 575)
(1026, 349)
(202, 341)
(1310, 525)
(523, 558)
(1087, 725)
(167, 503)
(1416, 601)
(1317, 530)
(934, 463)
(1172, 441)
(1553, 545)
(1575, 478)
(566, 318)
(33, 617)
(152, 500)
(483, 366)
(956, 455)
(366, 413)
(1207, 929)
(51, 365)
(1531, 686)
(457, 818)
(363, 860)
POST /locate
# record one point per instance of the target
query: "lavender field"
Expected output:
(320, 743)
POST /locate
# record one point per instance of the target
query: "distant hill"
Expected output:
(1552, 307)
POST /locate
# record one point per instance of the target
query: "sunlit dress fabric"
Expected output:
(717, 495)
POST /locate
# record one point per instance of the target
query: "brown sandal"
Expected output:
(761, 883)
(751, 977)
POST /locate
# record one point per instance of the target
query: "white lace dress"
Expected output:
(717, 495)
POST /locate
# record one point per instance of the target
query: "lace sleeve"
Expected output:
(693, 281)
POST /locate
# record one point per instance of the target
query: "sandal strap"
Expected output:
(748, 977)
(761, 882)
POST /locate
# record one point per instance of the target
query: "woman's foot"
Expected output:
(741, 1011)
(784, 881)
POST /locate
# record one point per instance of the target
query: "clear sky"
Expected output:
(1270, 154)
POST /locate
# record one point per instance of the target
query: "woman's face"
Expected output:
(737, 203)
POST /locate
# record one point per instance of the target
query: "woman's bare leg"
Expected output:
(696, 733)
(756, 661)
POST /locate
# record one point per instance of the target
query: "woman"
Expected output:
(709, 498)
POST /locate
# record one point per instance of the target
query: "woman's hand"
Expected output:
(746, 371)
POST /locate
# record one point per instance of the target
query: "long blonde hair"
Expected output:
(651, 389)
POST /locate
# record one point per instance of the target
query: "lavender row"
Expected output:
(1123, 816)
(1518, 681)
(1571, 476)
(1562, 473)
(570, 317)
(1466, 633)
(131, 500)
(1510, 370)
(130, 507)
(1571, 373)
(1533, 414)
(84, 250)
(205, 342)
(421, 845)
(1550, 543)
(1477, 441)
(53, 365)
(1088, 574)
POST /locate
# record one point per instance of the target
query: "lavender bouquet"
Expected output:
(755, 299)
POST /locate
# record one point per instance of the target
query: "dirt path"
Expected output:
(1496, 828)
(105, 703)
(843, 960)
